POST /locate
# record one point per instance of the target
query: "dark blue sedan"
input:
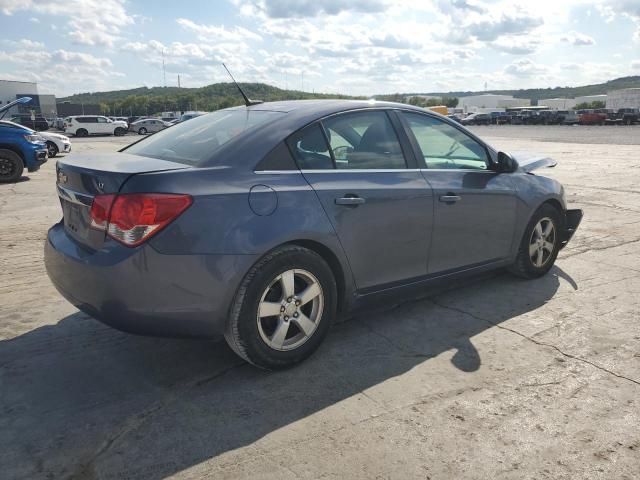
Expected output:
(263, 223)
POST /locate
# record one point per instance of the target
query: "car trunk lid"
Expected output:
(82, 177)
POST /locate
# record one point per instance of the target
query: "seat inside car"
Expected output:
(313, 152)
(378, 148)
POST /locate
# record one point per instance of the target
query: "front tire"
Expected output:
(11, 166)
(142, 131)
(540, 243)
(119, 132)
(52, 149)
(283, 309)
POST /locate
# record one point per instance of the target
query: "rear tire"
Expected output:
(119, 132)
(540, 243)
(11, 166)
(81, 132)
(272, 324)
(52, 149)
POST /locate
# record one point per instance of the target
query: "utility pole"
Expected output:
(302, 81)
(178, 80)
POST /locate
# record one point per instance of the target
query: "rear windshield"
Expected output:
(193, 142)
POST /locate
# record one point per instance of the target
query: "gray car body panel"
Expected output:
(184, 279)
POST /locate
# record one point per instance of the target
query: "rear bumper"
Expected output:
(139, 290)
(571, 222)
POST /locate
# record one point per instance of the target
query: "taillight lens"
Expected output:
(133, 218)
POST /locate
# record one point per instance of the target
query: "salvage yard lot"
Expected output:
(496, 378)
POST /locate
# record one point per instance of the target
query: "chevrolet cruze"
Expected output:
(264, 223)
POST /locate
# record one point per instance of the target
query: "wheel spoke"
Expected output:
(305, 324)
(269, 309)
(288, 285)
(548, 246)
(311, 292)
(280, 334)
(548, 229)
(533, 248)
(538, 230)
(539, 258)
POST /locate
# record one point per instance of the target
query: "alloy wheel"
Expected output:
(542, 242)
(6, 167)
(290, 309)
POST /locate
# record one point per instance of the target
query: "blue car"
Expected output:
(20, 147)
(264, 223)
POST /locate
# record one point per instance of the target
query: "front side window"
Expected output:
(444, 146)
(364, 140)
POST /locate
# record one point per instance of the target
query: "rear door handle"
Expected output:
(450, 198)
(350, 200)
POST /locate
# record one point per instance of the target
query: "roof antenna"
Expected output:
(247, 101)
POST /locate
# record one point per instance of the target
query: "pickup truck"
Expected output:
(591, 117)
(20, 147)
(624, 116)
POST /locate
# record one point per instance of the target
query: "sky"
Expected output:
(357, 47)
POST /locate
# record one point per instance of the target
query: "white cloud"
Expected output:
(89, 22)
(635, 64)
(577, 39)
(525, 67)
(309, 8)
(218, 32)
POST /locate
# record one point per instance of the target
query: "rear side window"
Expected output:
(364, 140)
(310, 149)
(194, 142)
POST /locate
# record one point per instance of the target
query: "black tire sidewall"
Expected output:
(81, 132)
(142, 131)
(254, 347)
(18, 164)
(524, 260)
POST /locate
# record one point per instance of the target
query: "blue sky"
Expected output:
(356, 47)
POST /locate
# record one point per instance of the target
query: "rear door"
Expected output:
(475, 207)
(378, 202)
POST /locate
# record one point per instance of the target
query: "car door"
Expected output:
(475, 207)
(379, 204)
(103, 126)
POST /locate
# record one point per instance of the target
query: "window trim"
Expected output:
(418, 151)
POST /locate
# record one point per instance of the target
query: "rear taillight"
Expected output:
(133, 218)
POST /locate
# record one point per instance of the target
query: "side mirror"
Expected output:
(506, 163)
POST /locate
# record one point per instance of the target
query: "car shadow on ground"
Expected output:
(80, 400)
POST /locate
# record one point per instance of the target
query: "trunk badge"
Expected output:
(62, 178)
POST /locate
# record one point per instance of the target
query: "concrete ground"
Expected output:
(498, 378)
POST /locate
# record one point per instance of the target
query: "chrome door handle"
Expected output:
(449, 198)
(350, 200)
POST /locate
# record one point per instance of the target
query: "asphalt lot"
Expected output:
(497, 378)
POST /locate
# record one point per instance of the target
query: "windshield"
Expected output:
(194, 142)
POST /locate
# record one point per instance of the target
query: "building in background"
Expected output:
(591, 99)
(44, 105)
(625, 98)
(558, 103)
(490, 102)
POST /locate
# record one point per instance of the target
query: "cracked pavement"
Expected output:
(494, 377)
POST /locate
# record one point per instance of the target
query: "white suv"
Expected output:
(83, 125)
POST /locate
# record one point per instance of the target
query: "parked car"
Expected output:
(266, 222)
(477, 119)
(148, 125)
(500, 118)
(20, 147)
(591, 117)
(59, 123)
(39, 124)
(84, 125)
(455, 118)
(189, 115)
(568, 117)
(56, 143)
(624, 116)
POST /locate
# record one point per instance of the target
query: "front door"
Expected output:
(380, 209)
(475, 207)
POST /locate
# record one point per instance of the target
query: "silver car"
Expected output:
(148, 125)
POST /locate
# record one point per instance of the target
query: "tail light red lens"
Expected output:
(133, 218)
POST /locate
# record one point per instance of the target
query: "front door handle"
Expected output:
(450, 198)
(352, 200)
